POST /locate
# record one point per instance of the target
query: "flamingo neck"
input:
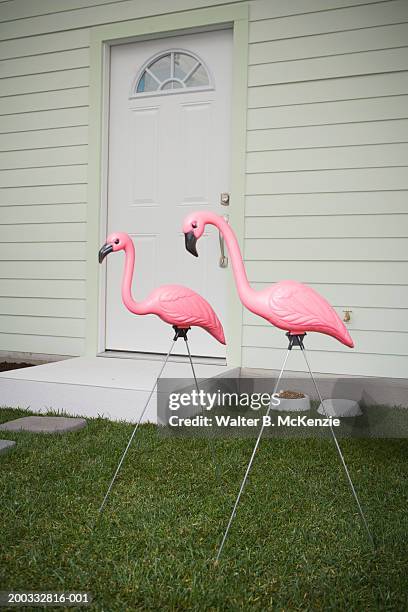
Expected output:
(245, 291)
(127, 297)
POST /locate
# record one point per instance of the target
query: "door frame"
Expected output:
(234, 16)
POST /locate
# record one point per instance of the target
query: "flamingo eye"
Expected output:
(194, 224)
(117, 241)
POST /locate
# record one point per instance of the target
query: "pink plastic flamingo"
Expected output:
(174, 304)
(288, 304)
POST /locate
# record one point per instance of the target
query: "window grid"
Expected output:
(172, 70)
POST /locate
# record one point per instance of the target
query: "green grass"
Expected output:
(296, 543)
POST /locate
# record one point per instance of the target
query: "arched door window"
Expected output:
(171, 72)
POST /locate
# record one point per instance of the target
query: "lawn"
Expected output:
(296, 543)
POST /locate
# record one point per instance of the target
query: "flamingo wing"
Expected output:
(299, 308)
(185, 308)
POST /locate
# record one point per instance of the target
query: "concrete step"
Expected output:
(114, 388)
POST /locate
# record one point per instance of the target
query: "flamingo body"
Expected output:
(289, 305)
(183, 307)
(298, 309)
(174, 304)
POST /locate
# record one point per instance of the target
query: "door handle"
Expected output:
(223, 262)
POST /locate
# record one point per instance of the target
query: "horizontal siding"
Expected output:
(340, 249)
(333, 136)
(349, 295)
(348, 64)
(265, 9)
(360, 179)
(329, 90)
(41, 326)
(43, 307)
(65, 117)
(46, 62)
(43, 251)
(42, 139)
(49, 43)
(323, 45)
(36, 158)
(47, 288)
(337, 20)
(366, 341)
(48, 345)
(43, 213)
(343, 203)
(43, 194)
(49, 270)
(44, 101)
(330, 362)
(324, 158)
(41, 7)
(13, 10)
(327, 113)
(326, 185)
(51, 81)
(53, 175)
(362, 319)
(43, 232)
(331, 226)
(122, 10)
(338, 272)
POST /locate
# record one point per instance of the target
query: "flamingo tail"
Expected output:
(344, 337)
(217, 332)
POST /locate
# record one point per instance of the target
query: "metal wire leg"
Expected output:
(212, 446)
(192, 365)
(250, 461)
(337, 445)
(135, 429)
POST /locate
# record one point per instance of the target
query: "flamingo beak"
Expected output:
(190, 242)
(104, 251)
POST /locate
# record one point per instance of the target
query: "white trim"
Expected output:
(171, 79)
(103, 218)
(109, 354)
(192, 71)
(170, 92)
(152, 75)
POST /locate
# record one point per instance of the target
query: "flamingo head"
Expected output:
(193, 228)
(114, 242)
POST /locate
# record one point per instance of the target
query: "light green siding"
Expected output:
(326, 170)
(44, 99)
(327, 174)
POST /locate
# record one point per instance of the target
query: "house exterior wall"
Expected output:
(326, 170)
(326, 184)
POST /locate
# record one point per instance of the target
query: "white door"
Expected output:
(169, 136)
